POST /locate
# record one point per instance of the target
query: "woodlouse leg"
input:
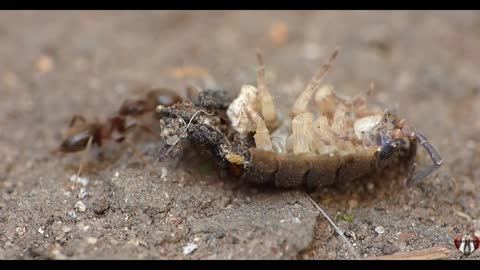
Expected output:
(304, 98)
(266, 100)
(434, 155)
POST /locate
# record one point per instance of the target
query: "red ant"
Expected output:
(81, 134)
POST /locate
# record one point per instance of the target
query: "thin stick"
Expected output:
(84, 156)
(339, 232)
(434, 253)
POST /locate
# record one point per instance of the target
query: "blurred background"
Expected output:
(423, 64)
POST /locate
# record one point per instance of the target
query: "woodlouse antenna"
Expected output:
(434, 155)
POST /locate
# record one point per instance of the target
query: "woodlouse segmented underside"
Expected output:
(336, 139)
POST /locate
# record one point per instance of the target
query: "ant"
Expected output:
(81, 134)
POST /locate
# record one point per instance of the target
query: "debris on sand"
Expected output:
(189, 249)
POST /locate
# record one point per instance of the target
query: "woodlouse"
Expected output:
(341, 140)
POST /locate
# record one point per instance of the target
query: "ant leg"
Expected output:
(150, 131)
(432, 152)
(77, 118)
(85, 154)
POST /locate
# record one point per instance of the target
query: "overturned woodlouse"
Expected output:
(341, 139)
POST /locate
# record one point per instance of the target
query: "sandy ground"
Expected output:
(424, 65)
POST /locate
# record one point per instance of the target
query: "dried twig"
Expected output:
(434, 253)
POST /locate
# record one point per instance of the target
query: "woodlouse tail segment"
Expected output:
(414, 178)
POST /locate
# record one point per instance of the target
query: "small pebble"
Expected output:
(164, 173)
(20, 230)
(380, 229)
(172, 140)
(370, 187)
(72, 214)
(66, 229)
(80, 207)
(44, 64)
(91, 240)
(189, 249)
(82, 194)
(41, 230)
